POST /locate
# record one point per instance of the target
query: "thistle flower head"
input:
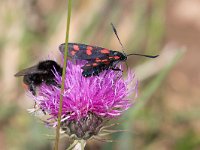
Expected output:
(87, 102)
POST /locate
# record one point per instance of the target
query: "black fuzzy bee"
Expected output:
(40, 73)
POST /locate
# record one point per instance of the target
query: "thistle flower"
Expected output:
(87, 102)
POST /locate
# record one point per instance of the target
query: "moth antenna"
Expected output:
(115, 31)
(149, 56)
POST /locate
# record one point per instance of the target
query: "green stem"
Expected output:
(80, 145)
(72, 145)
(83, 143)
(63, 75)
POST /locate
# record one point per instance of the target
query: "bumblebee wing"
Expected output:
(85, 52)
(29, 71)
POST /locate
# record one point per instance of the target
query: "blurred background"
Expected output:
(166, 113)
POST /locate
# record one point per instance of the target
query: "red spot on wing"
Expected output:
(110, 57)
(104, 60)
(73, 53)
(76, 47)
(107, 62)
(89, 50)
(98, 60)
(88, 65)
(94, 64)
(116, 57)
(105, 51)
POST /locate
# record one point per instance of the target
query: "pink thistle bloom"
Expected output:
(86, 100)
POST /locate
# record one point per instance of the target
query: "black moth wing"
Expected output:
(94, 64)
(89, 65)
(89, 70)
(93, 68)
(30, 71)
(83, 53)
